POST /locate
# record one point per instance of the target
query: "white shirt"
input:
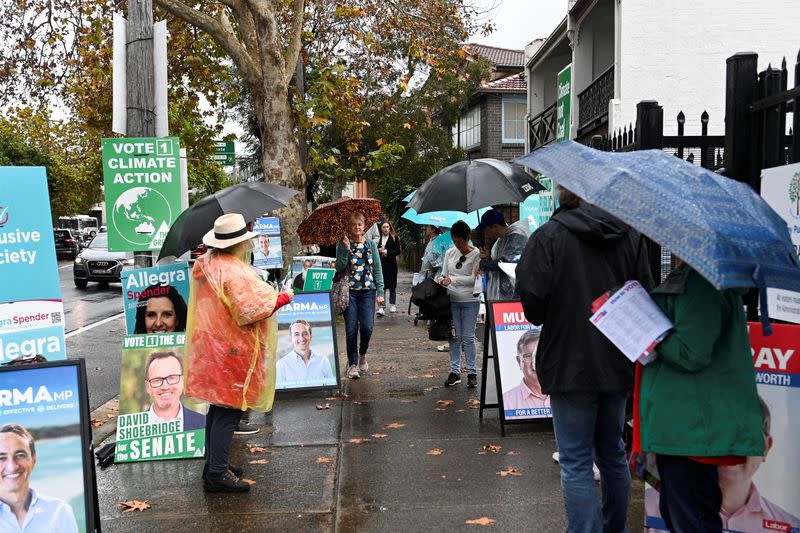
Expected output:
(45, 515)
(155, 419)
(291, 368)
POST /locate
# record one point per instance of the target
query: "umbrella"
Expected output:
(410, 196)
(470, 185)
(445, 218)
(327, 224)
(252, 199)
(721, 227)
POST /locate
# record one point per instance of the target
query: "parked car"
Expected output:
(96, 263)
(66, 243)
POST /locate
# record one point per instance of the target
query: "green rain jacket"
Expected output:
(698, 397)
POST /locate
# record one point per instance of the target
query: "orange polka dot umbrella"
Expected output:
(328, 223)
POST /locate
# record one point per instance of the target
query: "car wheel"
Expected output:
(81, 283)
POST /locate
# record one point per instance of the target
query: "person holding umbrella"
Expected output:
(231, 340)
(359, 259)
(502, 244)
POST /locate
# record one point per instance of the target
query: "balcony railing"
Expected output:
(593, 102)
(542, 128)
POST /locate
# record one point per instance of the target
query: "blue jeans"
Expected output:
(589, 427)
(465, 315)
(359, 317)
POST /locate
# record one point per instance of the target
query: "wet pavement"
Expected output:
(391, 456)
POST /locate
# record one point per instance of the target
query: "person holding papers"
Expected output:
(697, 403)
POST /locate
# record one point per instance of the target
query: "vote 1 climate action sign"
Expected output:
(143, 191)
(31, 312)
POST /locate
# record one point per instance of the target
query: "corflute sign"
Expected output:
(31, 312)
(143, 191)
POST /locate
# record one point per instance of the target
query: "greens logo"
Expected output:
(794, 195)
(3, 216)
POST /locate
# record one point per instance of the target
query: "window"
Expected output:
(454, 133)
(514, 109)
(469, 134)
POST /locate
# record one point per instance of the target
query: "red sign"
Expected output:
(780, 352)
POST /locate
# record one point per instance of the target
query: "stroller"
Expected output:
(434, 305)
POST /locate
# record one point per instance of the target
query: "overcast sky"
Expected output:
(518, 22)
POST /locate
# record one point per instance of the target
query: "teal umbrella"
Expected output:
(445, 218)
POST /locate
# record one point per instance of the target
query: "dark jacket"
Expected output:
(389, 262)
(699, 397)
(570, 261)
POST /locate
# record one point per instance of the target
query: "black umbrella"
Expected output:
(252, 199)
(470, 185)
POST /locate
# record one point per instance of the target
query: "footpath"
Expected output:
(396, 451)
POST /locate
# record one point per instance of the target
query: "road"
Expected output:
(94, 327)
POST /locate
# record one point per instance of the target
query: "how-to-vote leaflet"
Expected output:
(31, 312)
(156, 299)
(156, 421)
(268, 252)
(143, 191)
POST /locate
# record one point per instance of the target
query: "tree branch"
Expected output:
(228, 41)
(292, 53)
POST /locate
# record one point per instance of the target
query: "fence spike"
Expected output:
(783, 63)
(681, 117)
(704, 116)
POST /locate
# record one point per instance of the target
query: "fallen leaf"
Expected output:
(412, 377)
(98, 368)
(494, 448)
(96, 423)
(394, 425)
(459, 410)
(428, 389)
(444, 403)
(322, 459)
(339, 396)
(252, 448)
(258, 462)
(358, 441)
(408, 401)
(482, 521)
(512, 452)
(435, 451)
(429, 376)
(379, 435)
(439, 409)
(248, 481)
(472, 403)
(134, 505)
(356, 402)
(510, 471)
(323, 406)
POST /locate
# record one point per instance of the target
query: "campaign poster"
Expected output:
(155, 420)
(319, 279)
(31, 311)
(767, 486)
(306, 356)
(515, 343)
(155, 299)
(268, 253)
(45, 446)
(142, 183)
(301, 265)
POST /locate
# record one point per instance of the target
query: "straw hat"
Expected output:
(228, 230)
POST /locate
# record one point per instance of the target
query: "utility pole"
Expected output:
(140, 79)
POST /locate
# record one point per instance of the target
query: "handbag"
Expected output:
(340, 293)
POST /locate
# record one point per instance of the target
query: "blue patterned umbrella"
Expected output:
(719, 226)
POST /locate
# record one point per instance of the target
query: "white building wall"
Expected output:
(675, 52)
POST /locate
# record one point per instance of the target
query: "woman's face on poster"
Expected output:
(160, 316)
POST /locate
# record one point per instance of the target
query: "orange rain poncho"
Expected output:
(231, 336)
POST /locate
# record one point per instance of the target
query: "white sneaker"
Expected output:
(393, 309)
(555, 456)
(381, 311)
(596, 472)
(352, 372)
(362, 363)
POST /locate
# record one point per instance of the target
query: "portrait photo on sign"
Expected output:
(267, 248)
(306, 355)
(515, 343)
(156, 299)
(156, 420)
(43, 449)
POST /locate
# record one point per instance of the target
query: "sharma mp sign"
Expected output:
(143, 191)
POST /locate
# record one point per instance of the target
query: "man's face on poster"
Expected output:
(16, 465)
(301, 338)
(743, 473)
(165, 383)
(263, 244)
(526, 361)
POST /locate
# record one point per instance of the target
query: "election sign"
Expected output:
(155, 299)
(45, 425)
(268, 253)
(319, 279)
(770, 482)
(31, 312)
(515, 341)
(143, 191)
(307, 343)
(156, 421)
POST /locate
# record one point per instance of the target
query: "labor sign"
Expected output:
(143, 191)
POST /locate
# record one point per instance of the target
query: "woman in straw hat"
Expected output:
(230, 343)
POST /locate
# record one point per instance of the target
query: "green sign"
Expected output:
(143, 191)
(564, 88)
(225, 152)
(319, 279)
(547, 201)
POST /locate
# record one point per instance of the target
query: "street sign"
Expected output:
(564, 88)
(31, 312)
(143, 191)
(225, 152)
